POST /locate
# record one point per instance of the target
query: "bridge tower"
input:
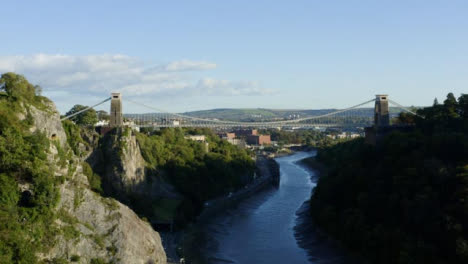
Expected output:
(116, 119)
(381, 113)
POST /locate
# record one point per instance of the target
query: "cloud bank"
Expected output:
(97, 75)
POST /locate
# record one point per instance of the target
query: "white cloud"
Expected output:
(186, 65)
(64, 77)
(106, 73)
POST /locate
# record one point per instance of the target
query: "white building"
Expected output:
(237, 142)
(102, 123)
(200, 138)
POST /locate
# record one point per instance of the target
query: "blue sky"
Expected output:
(190, 55)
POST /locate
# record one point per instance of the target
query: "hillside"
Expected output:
(404, 201)
(259, 114)
(49, 210)
(166, 177)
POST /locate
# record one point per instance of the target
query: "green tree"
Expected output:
(463, 106)
(87, 118)
(450, 105)
(17, 86)
(102, 115)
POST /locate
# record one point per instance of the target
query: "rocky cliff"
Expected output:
(119, 161)
(91, 227)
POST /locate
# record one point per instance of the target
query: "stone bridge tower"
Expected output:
(381, 112)
(116, 119)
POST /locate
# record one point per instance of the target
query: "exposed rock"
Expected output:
(90, 226)
(119, 161)
(103, 228)
(48, 122)
(91, 142)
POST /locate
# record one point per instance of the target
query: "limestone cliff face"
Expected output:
(102, 228)
(119, 161)
(48, 122)
(90, 226)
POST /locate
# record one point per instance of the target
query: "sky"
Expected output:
(192, 55)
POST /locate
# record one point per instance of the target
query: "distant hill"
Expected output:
(262, 114)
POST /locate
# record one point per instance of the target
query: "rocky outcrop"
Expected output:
(88, 225)
(120, 163)
(46, 121)
(94, 227)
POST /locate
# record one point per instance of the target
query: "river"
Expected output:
(260, 229)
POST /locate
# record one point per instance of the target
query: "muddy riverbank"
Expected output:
(261, 229)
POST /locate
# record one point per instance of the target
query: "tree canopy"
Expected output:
(87, 118)
(16, 86)
(199, 171)
(404, 201)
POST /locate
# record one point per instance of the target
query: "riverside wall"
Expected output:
(268, 175)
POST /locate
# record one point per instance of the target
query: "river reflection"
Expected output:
(261, 228)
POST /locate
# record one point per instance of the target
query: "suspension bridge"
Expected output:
(360, 115)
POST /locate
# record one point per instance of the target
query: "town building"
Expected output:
(246, 132)
(226, 135)
(237, 142)
(259, 140)
(200, 138)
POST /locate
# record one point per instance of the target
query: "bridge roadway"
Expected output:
(337, 118)
(254, 125)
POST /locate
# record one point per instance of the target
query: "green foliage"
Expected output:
(61, 154)
(17, 87)
(59, 261)
(199, 175)
(75, 258)
(406, 200)
(304, 137)
(87, 118)
(93, 178)
(9, 195)
(110, 203)
(78, 198)
(102, 115)
(73, 136)
(99, 240)
(26, 219)
(98, 261)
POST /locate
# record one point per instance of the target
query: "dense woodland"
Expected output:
(406, 199)
(199, 171)
(309, 138)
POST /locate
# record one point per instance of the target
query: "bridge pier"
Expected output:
(116, 119)
(381, 112)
